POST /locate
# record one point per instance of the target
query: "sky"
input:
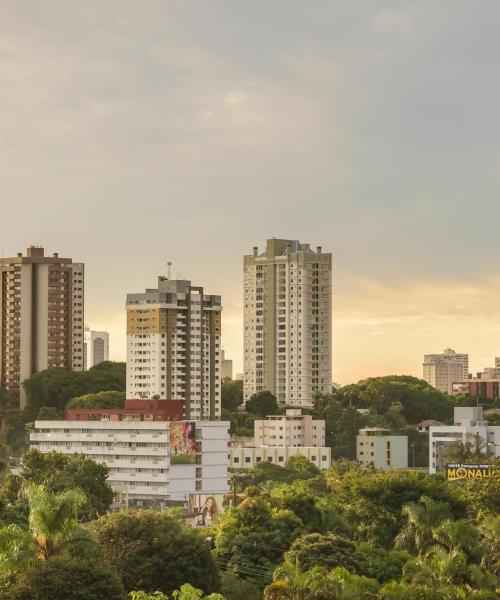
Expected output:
(136, 132)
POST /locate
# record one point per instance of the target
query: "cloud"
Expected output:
(393, 21)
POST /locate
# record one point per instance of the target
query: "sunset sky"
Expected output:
(136, 132)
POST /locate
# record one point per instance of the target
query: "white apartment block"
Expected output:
(376, 446)
(138, 456)
(95, 348)
(247, 458)
(290, 430)
(226, 367)
(288, 321)
(173, 347)
(41, 318)
(443, 370)
(469, 428)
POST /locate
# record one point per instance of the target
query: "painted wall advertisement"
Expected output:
(464, 471)
(182, 443)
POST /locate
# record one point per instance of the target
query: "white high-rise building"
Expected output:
(173, 347)
(96, 347)
(41, 318)
(288, 321)
(291, 429)
(443, 370)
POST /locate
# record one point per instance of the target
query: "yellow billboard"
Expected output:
(455, 472)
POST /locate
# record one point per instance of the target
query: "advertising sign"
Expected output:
(463, 471)
(182, 443)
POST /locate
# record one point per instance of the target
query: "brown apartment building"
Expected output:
(41, 317)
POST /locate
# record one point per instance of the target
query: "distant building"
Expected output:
(290, 430)
(279, 437)
(443, 370)
(288, 321)
(486, 384)
(247, 458)
(138, 445)
(423, 426)
(469, 428)
(378, 447)
(226, 366)
(95, 347)
(41, 318)
(173, 347)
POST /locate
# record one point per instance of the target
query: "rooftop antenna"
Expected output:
(169, 270)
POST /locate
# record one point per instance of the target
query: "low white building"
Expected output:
(376, 446)
(469, 428)
(247, 458)
(141, 456)
(291, 429)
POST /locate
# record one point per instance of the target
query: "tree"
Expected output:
(262, 404)
(232, 394)
(236, 588)
(67, 578)
(61, 472)
(422, 520)
(55, 387)
(327, 550)
(99, 400)
(52, 530)
(49, 413)
(250, 539)
(155, 551)
(187, 592)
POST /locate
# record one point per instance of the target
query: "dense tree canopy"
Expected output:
(68, 579)
(232, 394)
(55, 387)
(262, 404)
(155, 551)
(60, 472)
(108, 399)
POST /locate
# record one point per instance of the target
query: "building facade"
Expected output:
(469, 428)
(291, 429)
(226, 367)
(288, 321)
(173, 347)
(244, 457)
(41, 317)
(443, 370)
(140, 453)
(377, 446)
(95, 347)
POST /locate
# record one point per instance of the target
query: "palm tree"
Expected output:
(422, 520)
(53, 529)
(290, 582)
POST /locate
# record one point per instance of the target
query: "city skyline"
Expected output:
(135, 136)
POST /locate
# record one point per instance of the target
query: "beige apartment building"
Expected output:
(41, 317)
(288, 321)
(173, 347)
(291, 429)
(443, 370)
(376, 446)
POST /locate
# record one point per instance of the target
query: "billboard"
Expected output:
(464, 471)
(182, 443)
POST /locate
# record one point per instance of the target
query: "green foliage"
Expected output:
(60, 472)
(262, 404)
(55, 387)
(49, 413)
(99, 400)
(251, 538)
(236, 588)
(232, 394)
(53, 530)
(68, 579)
(155, 551)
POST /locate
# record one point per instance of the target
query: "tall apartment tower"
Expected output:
(443, 370)
(288, 321)
(41, 317)
(173, 347)
(95, 347)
